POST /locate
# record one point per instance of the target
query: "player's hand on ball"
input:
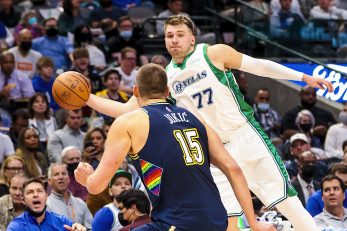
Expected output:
(82, 172)
(261, 226)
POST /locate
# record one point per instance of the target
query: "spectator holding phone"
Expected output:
(94, 142)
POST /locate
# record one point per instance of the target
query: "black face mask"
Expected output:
(121, 219)
(105, 4)
(71, 167)
(36, 214)
(308, 171)
(86, 37)
(307, 104)
(25, 45)
(306, 127)
(52, 32)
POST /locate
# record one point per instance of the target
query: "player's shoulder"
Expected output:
(131, 118)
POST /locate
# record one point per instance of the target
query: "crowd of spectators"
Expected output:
(309, 24)
(40, 39)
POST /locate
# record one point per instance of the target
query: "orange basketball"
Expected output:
(71, 90)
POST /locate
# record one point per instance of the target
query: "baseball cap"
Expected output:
(120, 173)
(298, 136)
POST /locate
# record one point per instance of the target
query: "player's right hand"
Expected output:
(82, 172)
(261, 226)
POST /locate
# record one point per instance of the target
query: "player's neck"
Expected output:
(145, 102)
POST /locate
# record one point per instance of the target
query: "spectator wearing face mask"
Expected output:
(84, 39)
(268, 118)
(305, 122)
(135, 209)
(29, 21)
(336, 135)
(126, 38)
(25, 57)
(308, 100)
(58, 48)
(304, 183)
(71, 156)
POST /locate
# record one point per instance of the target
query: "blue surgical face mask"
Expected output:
(264, 107)
(126, 34)
(32, 21)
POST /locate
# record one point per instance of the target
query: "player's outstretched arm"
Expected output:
(232, 59)
(221, 159)
(118, 144)
(110, 107)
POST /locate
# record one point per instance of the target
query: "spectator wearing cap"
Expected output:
(298, 145)
(315, 203)
(334, 215)
(107, 217)
(135, 209)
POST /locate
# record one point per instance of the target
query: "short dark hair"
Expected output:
(44, 61)
(124, 18)
(110, 72)
(330, 178)
(49, 19)
(344, 144)
(134, 196)
(338, 168)
(79, 53)
(179, 20)
(33, 180)
(20, 113)
(151, 80)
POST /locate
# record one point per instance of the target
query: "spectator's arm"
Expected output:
(330, 146)
(315, 204)
(54, 148)
(105, 217)
(9, 148)
(88, 217)
(27, 88)
(9, 38)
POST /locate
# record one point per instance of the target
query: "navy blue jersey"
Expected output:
(174, 166)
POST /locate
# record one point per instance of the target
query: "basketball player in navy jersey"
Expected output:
(172, 151)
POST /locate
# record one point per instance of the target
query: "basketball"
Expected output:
(71, 90)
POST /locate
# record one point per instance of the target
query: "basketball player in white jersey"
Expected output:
(200, 81)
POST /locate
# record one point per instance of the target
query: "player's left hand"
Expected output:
(82, 172)
(75, 227)
(318, 83)
(261, 226)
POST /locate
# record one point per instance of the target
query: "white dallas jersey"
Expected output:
(209, 93)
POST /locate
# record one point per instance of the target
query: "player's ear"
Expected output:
(136, 91)
(193, 41)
